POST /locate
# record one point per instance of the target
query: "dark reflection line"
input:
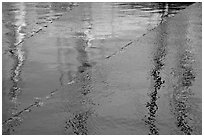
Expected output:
(156, 79)
(157, 83)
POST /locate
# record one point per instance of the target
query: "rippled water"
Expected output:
(50, 51)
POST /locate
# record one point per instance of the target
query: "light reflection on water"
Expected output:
(92, 32)
(18, 54)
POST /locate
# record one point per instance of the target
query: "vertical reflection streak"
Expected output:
(182, 92)
(78, 122)
(184, 77)
(59, 59)
(19, 58)
(156, 78)
(18, 50)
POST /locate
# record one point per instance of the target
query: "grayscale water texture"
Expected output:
(101, 68)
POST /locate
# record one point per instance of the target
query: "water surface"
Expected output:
(51, 84)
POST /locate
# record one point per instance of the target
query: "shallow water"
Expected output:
(53, 82)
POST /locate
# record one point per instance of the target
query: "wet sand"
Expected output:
(151, 86)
